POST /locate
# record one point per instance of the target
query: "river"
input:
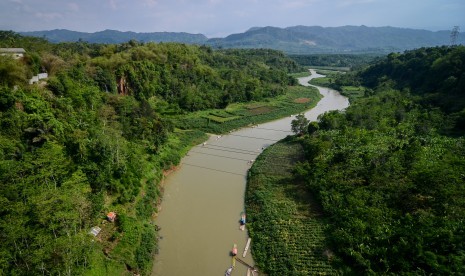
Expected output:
(203, 199)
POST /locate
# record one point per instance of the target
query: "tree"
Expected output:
(312, 127)
(12, 72)
(299, 124)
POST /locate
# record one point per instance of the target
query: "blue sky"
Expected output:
(219, 18)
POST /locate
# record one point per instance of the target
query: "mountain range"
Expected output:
(292, 40)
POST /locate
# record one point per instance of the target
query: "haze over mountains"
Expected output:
(292, 40)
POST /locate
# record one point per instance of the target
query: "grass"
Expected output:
(219, 119)
(330, 68)
(102, 265)
(242, 114)
(285, 222)
(300, 75)
(325, 81)
(352, 92)
(178, 144)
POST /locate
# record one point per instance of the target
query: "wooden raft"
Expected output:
(246, 247)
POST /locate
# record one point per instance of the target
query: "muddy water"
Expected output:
(204, 198)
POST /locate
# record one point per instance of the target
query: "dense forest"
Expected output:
(335, 60)
(388, 171)
(96, 136)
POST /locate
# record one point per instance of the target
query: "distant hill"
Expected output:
(346, 39)
(112, 36)
(292, 40)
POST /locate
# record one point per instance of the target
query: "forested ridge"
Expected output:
(302, 40)
(389, 170)
(96, 136)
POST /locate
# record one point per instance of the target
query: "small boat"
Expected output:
(229, 271)
(242, 221)
(234, 250)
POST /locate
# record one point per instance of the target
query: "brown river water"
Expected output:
(203, 199)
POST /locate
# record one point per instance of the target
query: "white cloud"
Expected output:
(150, 3)
(241, 13)
(20, 6)
(48, 16)
(348, 3)
(296, 4)
(113, 4)
(73, 7)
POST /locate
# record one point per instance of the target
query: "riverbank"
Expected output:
(284, 221)
(296, 100)
(352, 92)
(204, 198)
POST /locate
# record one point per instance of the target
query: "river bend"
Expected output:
(204, 198)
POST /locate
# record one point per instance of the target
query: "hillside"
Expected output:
(347, 39)
(96, 137)
(388, 171)
(384, 176)
(292, 40)
(112, 36)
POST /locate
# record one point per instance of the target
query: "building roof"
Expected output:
(12, 50)
(111, 216)
(95, 230)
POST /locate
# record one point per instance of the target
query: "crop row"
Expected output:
(288, 238)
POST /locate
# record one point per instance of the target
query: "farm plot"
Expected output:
(297, 99)
(285, 224)
(221, 116)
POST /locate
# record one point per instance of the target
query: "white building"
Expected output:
(38, 77)
(14, 52)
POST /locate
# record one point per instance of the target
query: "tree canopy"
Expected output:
(388, 171)
(95, 137)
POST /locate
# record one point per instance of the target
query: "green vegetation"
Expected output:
(297, 99)
(335, 61)
(434, 74)
(390, 185)
(300, 124)
(340, 45)
(97, 135)
(284, 222)
(352, 92)
(301, 74)
(387, 172)
(344, 82)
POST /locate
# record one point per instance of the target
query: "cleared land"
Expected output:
(296, 99)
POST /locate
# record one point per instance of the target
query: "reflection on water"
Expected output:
(204, 198)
